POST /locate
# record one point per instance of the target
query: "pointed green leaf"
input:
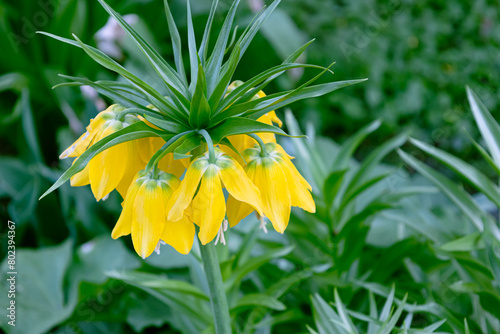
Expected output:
(165, 125)
(488, 126)
(199, 113)
(471, 174)
(253, 300)
(239, 126)
(190, 143)
(176, 43)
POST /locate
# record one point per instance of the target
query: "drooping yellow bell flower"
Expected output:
(115, 167)
(208, 206)
(144, 215)
(280, 183)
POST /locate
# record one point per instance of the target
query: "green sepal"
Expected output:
(135, 131)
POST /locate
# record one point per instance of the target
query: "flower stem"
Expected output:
(218, 300)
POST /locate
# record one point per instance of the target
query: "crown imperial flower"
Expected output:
(200, 126)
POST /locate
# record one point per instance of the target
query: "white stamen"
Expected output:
(220, 234)
(263, 223)
(158, 245)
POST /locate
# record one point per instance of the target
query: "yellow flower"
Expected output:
(208, 206)
(281, 187)
(144, 215)
(115, 167)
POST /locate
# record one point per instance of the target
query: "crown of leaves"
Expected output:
(190, 112)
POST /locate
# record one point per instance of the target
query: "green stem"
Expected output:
(263, 151)
(210, 145)
(220, 310)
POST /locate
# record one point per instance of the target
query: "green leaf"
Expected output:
(332, 185)
(215, 61)
(488, 126)
(40, 295)
(299, 94)
(391, 324)
(164, 70)
(165, 125)
(131, 132)
(104, 90)
(325, 317)
(468, 243)
(205, 41)
(168, 147)
(239, 273)
(351, 144)
(199, 113)
(343, 313)
(156, 282)
(249, 301)
(457, 195)
(226, 77)
(468, 172)
(29, 129)
(190, 143)
(176, 42)
(239, 126)
(193, 55)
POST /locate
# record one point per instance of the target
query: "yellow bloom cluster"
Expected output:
(158, 206)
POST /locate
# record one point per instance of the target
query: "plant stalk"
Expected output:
(220, 309)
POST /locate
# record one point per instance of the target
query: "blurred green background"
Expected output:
(418, 56)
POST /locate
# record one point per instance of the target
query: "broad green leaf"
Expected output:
(131, 132)
(249, 301)
(468, 243)
(40, 295)
(157, 282)
(457, 195)
(468, 172)
(488, 126)
(239, 126)
(29, 128)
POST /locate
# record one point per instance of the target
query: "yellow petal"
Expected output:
(236, 210)
(179, 234)
(238, 184)
(272, 183)
(183, 196)
(107, 168)
(148, 218)
(133, 164)
(81, 178)
(124, 224)
(169, 165)
(299, 193)
(209, 207)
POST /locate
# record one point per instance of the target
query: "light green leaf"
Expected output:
(468, 243)
(468, 172)
(239, 126)
(176, 43)
(488, 126)
(249, 301)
